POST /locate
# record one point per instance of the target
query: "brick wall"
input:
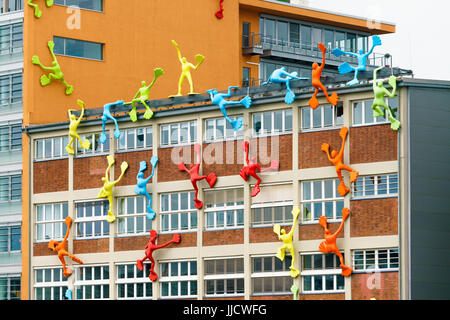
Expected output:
(188, 239)
(90, 246)
(223, 158)
(275, 297)
(309, 148)
(130, 243)
(41, 249)
(373, 144)
(167, 169)
(328, 296)
(374, 217)
(272, 148)
(51, 176)
(258, 235)
(381, 286)
(315, 231)
(88, 172)
(133, 159)
(223, 237)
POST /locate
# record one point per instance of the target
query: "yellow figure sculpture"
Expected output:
(186, 70)
(107, 189)
(73, 126)
(287, 242)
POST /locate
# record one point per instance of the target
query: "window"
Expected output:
(325, 116)
(245, 34)
(182, 133)
(11, 38)
(273, 205)
(321, 198)
(268, 66)
(50, 284)
(178, 212)
(219, 129)
(363, 113)
(224, 277)
(132, 216)
(272, 122)
(11, 5)
(375, 260)
(51, 148)
(96, 146)
(270, 275)
(376, 186)
(133, 283)
(92, 282)
(178, 279)
(321, 274)
(91, 219)
(245, 77)
(96, 5)
(11, 188)
(78, 48)
(306, 37)
(50, 219)
(11, 137)
(10, 288)
(135, 139)
(11, 88)
(224, 209)
(10, 237)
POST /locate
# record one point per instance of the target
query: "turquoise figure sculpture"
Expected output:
(107, 115)
(219, 99)
(68, 294)
(282, 76)
(379, 102)
(362, 60)
(141, 186)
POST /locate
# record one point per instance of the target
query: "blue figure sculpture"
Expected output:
(107, 115)
(362, 60)
(219, 99)
(68, 294)
(282, 76)
(141, 186)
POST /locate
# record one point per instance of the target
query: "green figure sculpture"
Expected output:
(295, 290)
(55, 70)
(37, 11)
(143, 95)
(380, 92)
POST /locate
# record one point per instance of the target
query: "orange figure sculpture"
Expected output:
(329, 245)
(316, 74)
(60, 248)
(152, 246)
(337, 158)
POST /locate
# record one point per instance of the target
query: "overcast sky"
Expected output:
(422, 40)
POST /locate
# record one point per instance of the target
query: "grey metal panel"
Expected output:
(430, 192)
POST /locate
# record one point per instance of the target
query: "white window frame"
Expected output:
(9, 240)
(390, 259)
(375, 121)
(82, 283)
(225, 276)
(10, 97)
(122, 142)
(125, 215)
(176, 214)
(11, 143)
(215, 210)
(273, 274)
(323, 272)
(228, 132)
(10, 187)
(52, 223)
(65, 4)
(272, 132)
(62, 284)
(189, 138)
(336, 215)
(11, 39)
(362, 183)
(104, 147)
(127, 282)
(286, 205)
(169, 279)
(63, 141)
(335, 120)
(92, 219)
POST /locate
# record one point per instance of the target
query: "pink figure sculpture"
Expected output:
(195, 177)
(252, 168)
(219, 14)
(152, 246)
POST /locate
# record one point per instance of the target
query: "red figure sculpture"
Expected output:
(219, 14)
(195, 177)
(337, 158)
(152, 246)
(316, 74)
(329, 245)
(252, 168)
(60, 248)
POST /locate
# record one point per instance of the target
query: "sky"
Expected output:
(421, 42)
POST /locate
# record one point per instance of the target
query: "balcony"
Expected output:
(257, 44)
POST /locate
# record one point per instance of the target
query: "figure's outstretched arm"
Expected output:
(338, 52)
(341, 152)
(178, 49)
(82, 111)
(68, 222)
(295, 213)
(229, 91)
(326, 149)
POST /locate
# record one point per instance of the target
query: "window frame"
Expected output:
(64, 54)
(9, 137)
(389, 262)
(94, 138)
(376, 178)
(134, 281)
(227, 128)
(66, 5)
(10, 176)
(11, 38)
(262, 133)
(322, 272)
(124, 138)
(237, 208)
(287, 208)
(12, 80)
(190, 211)
(9, 238)
(225, 276)
(336, 124)
(376, 121)
(52, 284)
(169, 279)
(9, 286)
(92, 219)
(123, 216)
(272, 274)
(64, 140)
(53, 222)
(82, 283)
(190, 140)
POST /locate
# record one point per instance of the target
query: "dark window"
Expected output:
(78, 48)
(96, 5)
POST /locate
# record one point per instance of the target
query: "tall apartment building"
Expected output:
(228, 248)
(11, 114)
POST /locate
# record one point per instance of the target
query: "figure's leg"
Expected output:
(355, 78)
(395, 124)
(198, 203)
(377, 111)
(153, 276)
(117, 131)
(313, 102)
(103, 134)
(49, 3)
(180, 83)
(256, 189)
(66, 271)
(294, 272)
(331, 99)
(346, 271)
(133, 114)
(110, 217)
(148, 112)
(69, 88)
(69, 147)
(191, 84)
(290, 96)
(75, 258)
(37, 11)
(342, 188)
(140, 263)
(353, 174)
(281, 252)
(150, 213)
(236, 124)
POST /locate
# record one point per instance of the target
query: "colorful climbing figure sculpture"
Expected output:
(362, 60)
(143, 95)
(150, 248)
(380, 92)
(316, 74)
(107, 190)
(282, 76)
(288, 244)
(252, 168)
(329, 245)
(219, 99)
(107, 115)
(186, 70)
(295, 290)
(219, 14)
(68, 294)
(37, 11)
(60, 249)
(195, 177)
(141, 186)
(55, 70)
(337, 159)
(73, 126)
